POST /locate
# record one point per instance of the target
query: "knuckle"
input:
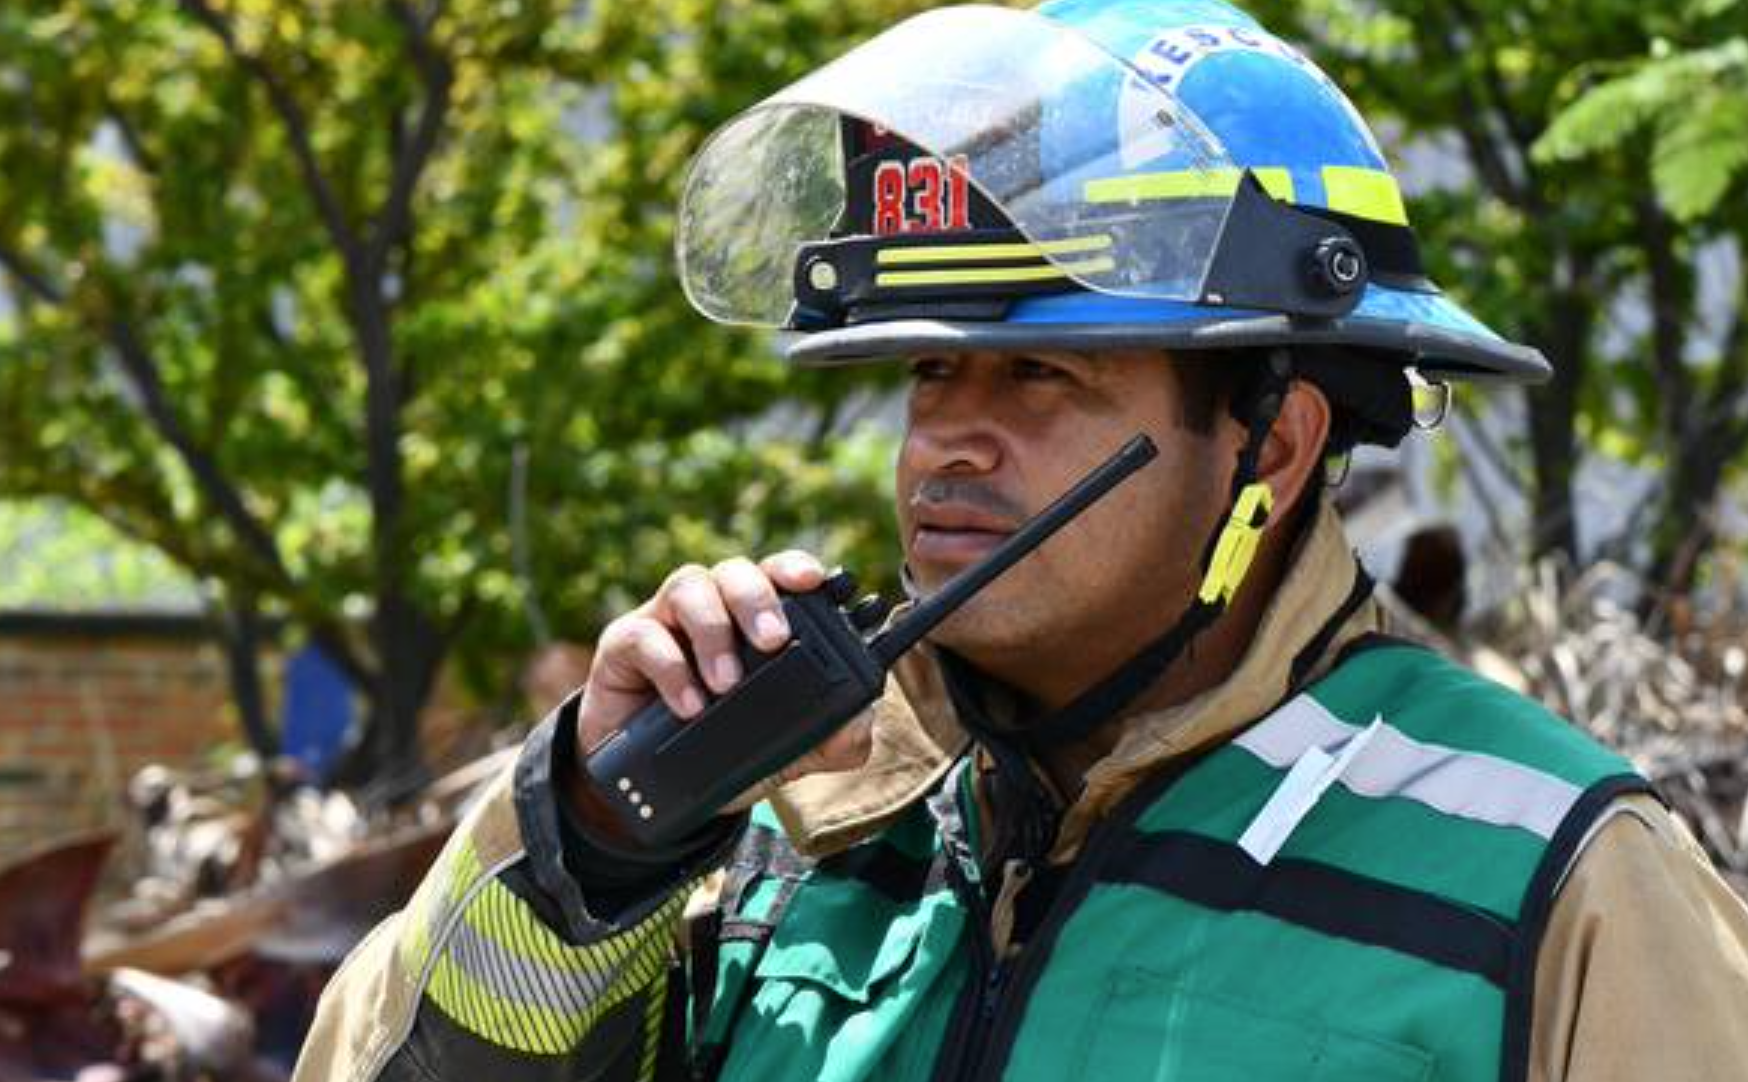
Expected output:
(650, 642)
(743, 582)
(710, 629)
(684, 577)
(792, 567)
(794, 558)
(619, 634)
(735, 565)
(740, 577)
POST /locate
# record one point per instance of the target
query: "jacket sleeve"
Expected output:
(526, 954)
(1643, 972)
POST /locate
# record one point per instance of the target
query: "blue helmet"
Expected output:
(1092, 174)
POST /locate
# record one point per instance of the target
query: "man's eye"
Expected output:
(928, 368)
(1031, 368)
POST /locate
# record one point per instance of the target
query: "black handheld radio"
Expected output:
(662, 778)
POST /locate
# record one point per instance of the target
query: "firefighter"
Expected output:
(1162, 801)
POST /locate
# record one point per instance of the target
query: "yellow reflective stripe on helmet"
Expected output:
(973, 253)
(509, 979)
(991, 275)
(1238, 543)
(1364, 193)
(1185, 184)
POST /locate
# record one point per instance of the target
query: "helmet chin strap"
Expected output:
(1226, 561)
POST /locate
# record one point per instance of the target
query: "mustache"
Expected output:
(969, 493)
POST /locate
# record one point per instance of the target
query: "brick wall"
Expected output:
(84, 702)
(88, 699)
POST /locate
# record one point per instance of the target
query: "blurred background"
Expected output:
(346, 390)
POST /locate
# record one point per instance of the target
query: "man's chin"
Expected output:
(980, 635)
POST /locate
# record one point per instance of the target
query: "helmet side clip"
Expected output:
(1275, 257)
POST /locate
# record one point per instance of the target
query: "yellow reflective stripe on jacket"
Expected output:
(437, 900)
(508, 979)
(655, 1006)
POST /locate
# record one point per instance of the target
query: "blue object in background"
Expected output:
(316, 712)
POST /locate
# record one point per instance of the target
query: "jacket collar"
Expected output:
(1320, 579)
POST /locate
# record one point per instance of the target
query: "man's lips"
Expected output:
(956, 534)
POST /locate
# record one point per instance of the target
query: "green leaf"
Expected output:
(1700, 154)
(1607, 114)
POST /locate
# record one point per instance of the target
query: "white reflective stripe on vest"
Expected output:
(1466, 784)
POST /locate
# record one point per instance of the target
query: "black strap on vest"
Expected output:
(1334, 901)
(1538, 907)
(762, 854)
(1319, 897)
(899, 877)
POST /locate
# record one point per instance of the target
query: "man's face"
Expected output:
(993, 438)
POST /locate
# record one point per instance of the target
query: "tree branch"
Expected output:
(34, 281)
(1727, 404)
(1484, 101)
(1471, 123)
(1733, 365)
(297, 129)
(147, 381)
(130, 138)
(1515, 124)
(1482, 440)
(1671, 302)
(1477, 483)
(394, 223)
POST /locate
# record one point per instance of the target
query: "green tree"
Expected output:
(1679, 113)
(1572, 199)
(55, 556)
(308, 292)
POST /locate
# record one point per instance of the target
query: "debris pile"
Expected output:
(1667, 686)
(243, 895)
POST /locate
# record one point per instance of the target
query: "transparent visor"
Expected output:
(1110, 178)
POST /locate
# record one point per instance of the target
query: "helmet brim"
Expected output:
(1427, 331)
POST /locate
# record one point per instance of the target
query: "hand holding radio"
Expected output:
(684, 646)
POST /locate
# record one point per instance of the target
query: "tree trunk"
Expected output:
(240, 630)
(386, 764)
(412, 652)
(1687, 522)
(1553, 415)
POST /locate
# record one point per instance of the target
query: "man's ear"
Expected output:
(1292, 455)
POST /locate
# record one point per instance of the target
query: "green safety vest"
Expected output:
(1392, 937)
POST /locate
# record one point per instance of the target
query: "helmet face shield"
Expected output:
(1112, 182)
(1094, 174)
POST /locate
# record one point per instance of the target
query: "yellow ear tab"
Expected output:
(1238, 543)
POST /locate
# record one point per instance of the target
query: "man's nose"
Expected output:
(956, 433)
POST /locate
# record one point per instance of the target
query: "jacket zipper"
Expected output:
(988, 1020)
(973, 1015)
(1008, 992)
